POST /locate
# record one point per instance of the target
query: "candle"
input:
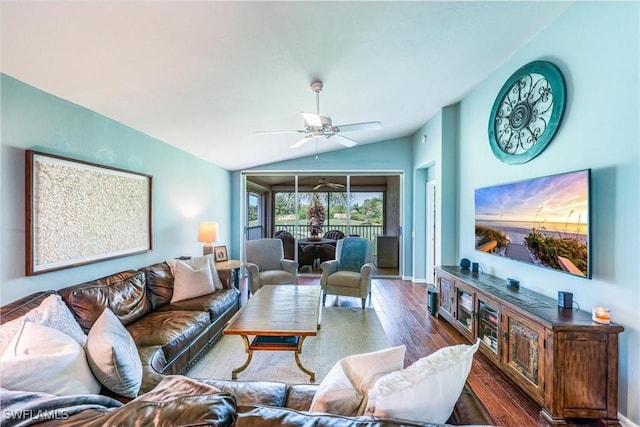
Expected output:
(601, 315)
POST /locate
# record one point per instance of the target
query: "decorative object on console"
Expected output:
(207, 234)
(465, 263)
(601, 315)
(109, 211)
(512, 283)
(527, 112)
(542, 221)
(565, 299)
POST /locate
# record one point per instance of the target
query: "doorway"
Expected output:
(305, 204)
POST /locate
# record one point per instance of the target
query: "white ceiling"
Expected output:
(204, 75)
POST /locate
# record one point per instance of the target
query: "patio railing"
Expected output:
(367, 231)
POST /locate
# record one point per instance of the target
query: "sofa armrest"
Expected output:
(290, 266)
(226, 278)
(254, 276)
(328, 268)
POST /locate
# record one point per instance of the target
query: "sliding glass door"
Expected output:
(312, 205)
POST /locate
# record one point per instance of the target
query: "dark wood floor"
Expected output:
(401, 307)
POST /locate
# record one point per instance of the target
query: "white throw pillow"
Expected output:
(344, 390)
(113, 356)
(427, 390)
(190, 281)
(45, 360)
(51, 312)
(54, 313)
(197, 262)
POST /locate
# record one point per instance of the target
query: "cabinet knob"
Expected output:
(505, 336)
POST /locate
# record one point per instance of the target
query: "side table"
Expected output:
(234, 266)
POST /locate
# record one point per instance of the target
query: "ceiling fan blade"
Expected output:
(266, 132)
(347, 142)
(359, 126)
(334, 185)
(301, 141)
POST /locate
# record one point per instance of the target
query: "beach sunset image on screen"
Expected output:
(542, 221)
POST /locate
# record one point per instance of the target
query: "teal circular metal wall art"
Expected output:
(527, 112)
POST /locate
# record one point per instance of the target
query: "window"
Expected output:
(254, 216)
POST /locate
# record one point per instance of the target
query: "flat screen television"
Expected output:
(542, 221)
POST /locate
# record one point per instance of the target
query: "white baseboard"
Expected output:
(625, 422)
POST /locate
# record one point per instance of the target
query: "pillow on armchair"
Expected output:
(353, 254)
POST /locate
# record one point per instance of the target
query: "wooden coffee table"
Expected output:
(279, 318)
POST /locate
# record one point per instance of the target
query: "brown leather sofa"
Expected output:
(170, 337)
(178, 400)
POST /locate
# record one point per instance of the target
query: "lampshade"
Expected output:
(208, 232)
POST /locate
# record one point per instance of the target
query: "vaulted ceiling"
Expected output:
(204, 75)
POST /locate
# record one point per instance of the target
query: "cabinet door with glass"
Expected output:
(489, 331)
(446, 296)
(465, 314)
(523, 352)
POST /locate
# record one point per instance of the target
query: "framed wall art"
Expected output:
(220, 253)
(79, 212)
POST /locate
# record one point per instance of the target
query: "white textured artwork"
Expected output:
(82, 213)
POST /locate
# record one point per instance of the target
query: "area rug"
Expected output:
(344, 331)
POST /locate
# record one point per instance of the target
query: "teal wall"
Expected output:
(186, 190)
(597, 47)
(392, 155)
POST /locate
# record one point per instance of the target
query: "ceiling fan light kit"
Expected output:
(317, 126)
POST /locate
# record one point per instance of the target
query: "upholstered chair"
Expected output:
(349, 274)
(267, 266)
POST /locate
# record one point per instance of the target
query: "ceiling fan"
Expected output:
(323, 183)
(317, 126)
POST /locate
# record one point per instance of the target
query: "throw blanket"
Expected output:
(353, 254)
(23, 408)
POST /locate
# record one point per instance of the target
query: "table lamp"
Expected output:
(207, 234)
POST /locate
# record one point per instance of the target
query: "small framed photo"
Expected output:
(220, 253)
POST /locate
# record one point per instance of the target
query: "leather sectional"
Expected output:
(170, 337)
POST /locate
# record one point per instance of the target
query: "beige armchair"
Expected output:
(267, 266)
(350, 273)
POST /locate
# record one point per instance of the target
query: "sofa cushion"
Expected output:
(124, 293)
(159, 284)
(350, 279)
(276, 277)
(113, 356)
(344, 389)
(43, 359)
(427, 390)
(269, 416)
(216, 303)
(173, 330)
(270, 393)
